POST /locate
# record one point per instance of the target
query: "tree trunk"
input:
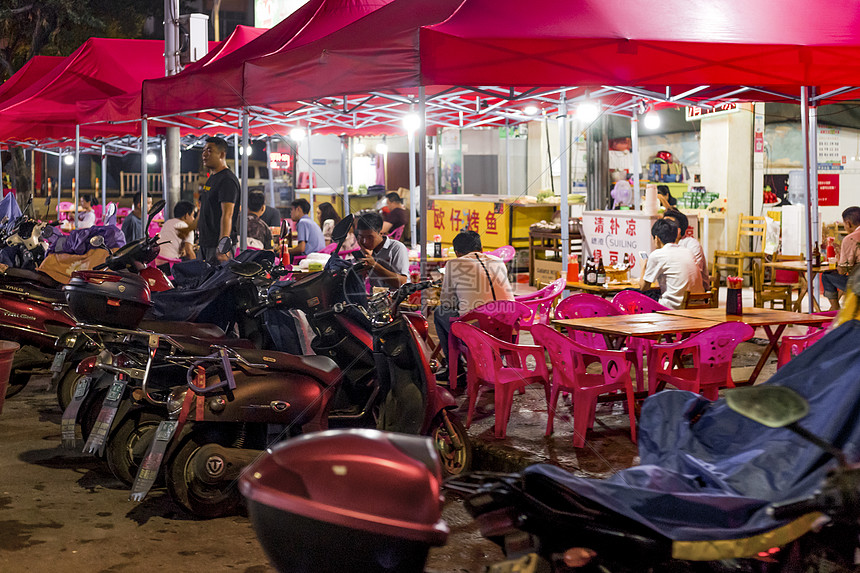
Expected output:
(216, 19)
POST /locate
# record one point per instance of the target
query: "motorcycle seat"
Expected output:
(203, 346)
(322, 368)
(34, 291)
(190, 329)
(18, 276)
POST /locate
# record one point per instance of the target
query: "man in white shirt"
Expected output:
(176, 236)
(692, 244)
(670, 265)
(472, 279)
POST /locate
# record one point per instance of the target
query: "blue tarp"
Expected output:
(9, 208)
(77, 242)
(709, 473)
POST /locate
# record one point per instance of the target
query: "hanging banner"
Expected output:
(828, 190)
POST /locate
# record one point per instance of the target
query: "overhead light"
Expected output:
(531, 110)
(359, 147)
(381, 148)
(587, 112)
(69, 159)
(249, 150)
(297, 134)
(151, 159)
(411, 122)
(652, 120)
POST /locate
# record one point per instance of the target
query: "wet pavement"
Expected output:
(61, 510)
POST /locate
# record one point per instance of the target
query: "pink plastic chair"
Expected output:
(570, 361)
(499, 318)
(506, 253)
(634, 302)
(489, 364)
(98, 210)
(583, 305)
(541, 307)
(791, 346)
(711, 351)
(63, 208)
(396, 233)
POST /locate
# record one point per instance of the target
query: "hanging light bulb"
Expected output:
(297, 134)
(359, 147)
(151, 159)
(411, 122)
(249, 150)
(382, 148)
(587, 112)
(652, 120)
(69, 159)
(531, 110)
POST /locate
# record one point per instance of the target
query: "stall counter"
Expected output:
(328, 195)
(499, 219)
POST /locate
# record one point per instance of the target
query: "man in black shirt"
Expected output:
(219, 215)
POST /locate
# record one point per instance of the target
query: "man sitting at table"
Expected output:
(670, 265)
(692, 244)
(849, 256)
(386, 259)
(472, 279)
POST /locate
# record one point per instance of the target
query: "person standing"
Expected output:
(386, 259)
(308, 234)
(177, 234)
(86, 214)
(219, 216)
(472, 279)
(849, 256)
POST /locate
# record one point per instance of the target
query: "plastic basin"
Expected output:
(7, 352)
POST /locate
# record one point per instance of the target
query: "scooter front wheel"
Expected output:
(452, 443)
(127, 446)
(199, 494)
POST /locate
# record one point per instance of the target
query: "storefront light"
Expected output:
(297, 134)
(69, 159)
(587, 112)
(652, 120)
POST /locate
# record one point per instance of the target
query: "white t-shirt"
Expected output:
(673, 268)
(171, 249)
(699, 258)
(465, 285)
(86, 219)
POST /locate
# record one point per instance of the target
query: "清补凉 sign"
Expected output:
(694, 113)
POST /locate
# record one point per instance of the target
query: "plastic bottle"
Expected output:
(831, 248)
(573, 269)
(601, 273)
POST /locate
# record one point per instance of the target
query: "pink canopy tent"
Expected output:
(218, 84)
(34, 70)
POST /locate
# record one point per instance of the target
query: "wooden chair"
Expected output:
(709, 299)
(764, 292)
(796, 281)
(751, 235)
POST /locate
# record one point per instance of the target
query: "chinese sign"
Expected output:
(828, 190)
(694, 113)
(283, 161)
(829, 150)
(487, 219)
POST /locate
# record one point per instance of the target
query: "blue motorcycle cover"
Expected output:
(78, 241)
(9, 210)
(708, 473)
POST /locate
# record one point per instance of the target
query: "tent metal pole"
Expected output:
(59, 180)
(813, 179)
(310, 174)
(77, 180)
(104, 178)
(243, 212)
(413, 197)
(343, 173)
(144, 175)
(637, 165)
(1, 172)
(804, 126)
(269, 171)
(422, 181)
(507, 158)
(436, 164)
(565, 183)
(236, 149)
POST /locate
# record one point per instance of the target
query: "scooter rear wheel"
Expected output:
(454, 461)
(66, 388)
(127, 445)
(189, 490)
(17, 382)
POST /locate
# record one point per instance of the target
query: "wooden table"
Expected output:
(604, 291)
(767, 318)
(801, 268)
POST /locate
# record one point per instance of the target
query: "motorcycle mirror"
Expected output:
(110, 211)
(284, 227)
(246, 269)
(48, 198)
(771, 406)
(341, 230)
(97, 241)
(225, 245)
(155, 210)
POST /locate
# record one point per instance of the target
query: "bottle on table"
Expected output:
(601, 273)
(626, 260)
(289, 235)
(591, 272)
(573, 269)
(816, 255)
(831, 249)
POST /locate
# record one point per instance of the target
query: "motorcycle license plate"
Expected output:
(59, 359)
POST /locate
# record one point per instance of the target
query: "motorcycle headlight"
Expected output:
(175, 400)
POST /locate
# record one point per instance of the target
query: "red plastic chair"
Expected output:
(791, 346)
(499, 318)
(570, 361)
(541, 307)
(506, 253)
(490, 364)
(584, 305)
(711, 351)
(634, 302)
